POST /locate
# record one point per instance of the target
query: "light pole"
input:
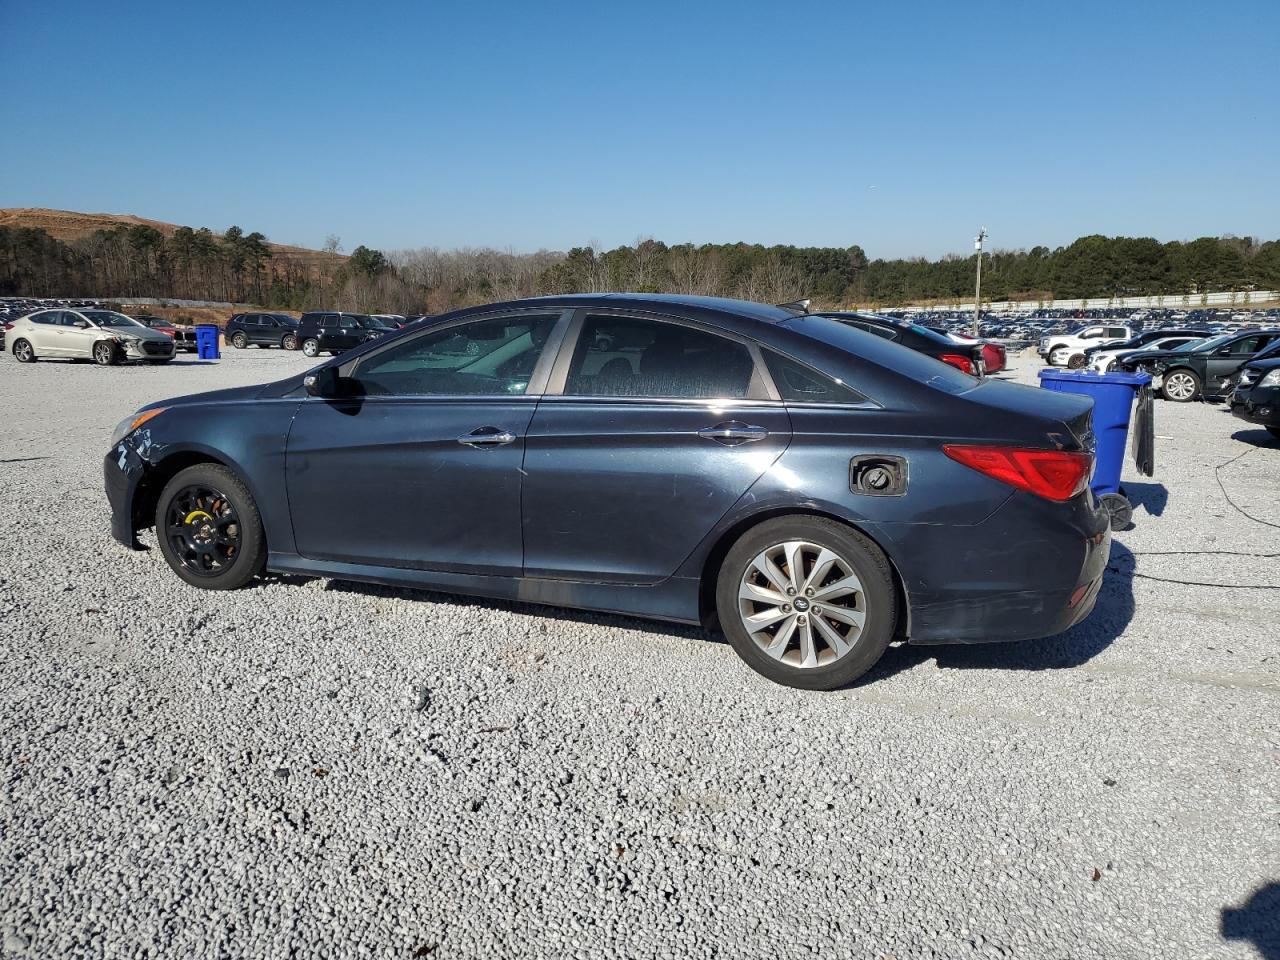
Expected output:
(977, 290)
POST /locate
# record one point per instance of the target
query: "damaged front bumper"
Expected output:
(124, 470)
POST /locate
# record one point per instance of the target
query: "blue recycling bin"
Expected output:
(1113, 401)
(207, 342)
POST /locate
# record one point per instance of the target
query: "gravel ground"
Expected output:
(324, 769)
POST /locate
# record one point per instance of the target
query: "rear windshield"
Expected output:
(903, 360)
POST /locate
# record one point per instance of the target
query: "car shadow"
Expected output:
(1110, 617)
(1257, 922)
(1258, 437)
(1152, 497)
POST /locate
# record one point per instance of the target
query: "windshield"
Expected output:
(1196, 346)
(109, 318)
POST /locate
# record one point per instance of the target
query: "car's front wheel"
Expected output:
(23, 352)
(1180, 386)
(807, 602)
(105, 353)
(209, 528)
(311, 347)
(1076, 361)
(289, 342)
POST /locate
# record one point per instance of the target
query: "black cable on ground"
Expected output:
(1239, 509)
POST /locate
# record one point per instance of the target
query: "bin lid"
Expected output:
(1093, 376)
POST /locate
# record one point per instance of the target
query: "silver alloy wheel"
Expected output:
(802, 604)
(103, 353)
(239, 341)
(22, 350)
(1180, 386)
(290, 342)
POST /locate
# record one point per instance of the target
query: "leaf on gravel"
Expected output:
(426, 950)
(498, 729)
(92, 610)
(1108, 782)
(424, 699)
(1097, 874)
(319, 771)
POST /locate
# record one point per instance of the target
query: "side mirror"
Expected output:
(322, 382)
(82, 324)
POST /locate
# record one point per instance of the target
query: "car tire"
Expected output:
(1180, 386)
(23, 352)
(105, 353)
(311, 347)
(810, 656)
(239, 340)
(1075, 361)
(289, 342)
(209, 528)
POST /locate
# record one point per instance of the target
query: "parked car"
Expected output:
(157, 323)
(994, 355)
(392, 321)
(1143, 340)
(817, 489)
(1256, 397)
(184, 338)
(967, 358)
(1201, 368)
(1067, 349)
(263, 329)
(333, 332)
(103, 336)
(1103, 359)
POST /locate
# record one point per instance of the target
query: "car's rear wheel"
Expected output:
(105, 353)
(807, 602)
(23, 352)
(239, 340)
(209, 528)
(1180, 386)
(311, 347)
(289, 342)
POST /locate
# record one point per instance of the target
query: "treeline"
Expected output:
(242, 267)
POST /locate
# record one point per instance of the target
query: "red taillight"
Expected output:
(959, 362)
(8, 326)
(1052, 474)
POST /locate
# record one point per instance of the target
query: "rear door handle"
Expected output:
(733, 432)
(486, 437)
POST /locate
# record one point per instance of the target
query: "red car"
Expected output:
(158, 323)
(994, 355)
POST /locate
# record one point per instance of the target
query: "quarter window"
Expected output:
(631, 357)
(797, 383)
(486, 358)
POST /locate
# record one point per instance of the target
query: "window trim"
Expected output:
(537, 379)
(760, 388)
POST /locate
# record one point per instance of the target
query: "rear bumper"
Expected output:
(1259, 405)
(1032, 569)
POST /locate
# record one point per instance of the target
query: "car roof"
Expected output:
(650, 301)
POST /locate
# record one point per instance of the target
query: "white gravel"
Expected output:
(321, 769)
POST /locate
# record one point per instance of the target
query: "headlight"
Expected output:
(1272, 379)
(132, 423)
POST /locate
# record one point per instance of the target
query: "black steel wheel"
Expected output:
(209, 528)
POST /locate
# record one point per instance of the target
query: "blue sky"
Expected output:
(898, 126)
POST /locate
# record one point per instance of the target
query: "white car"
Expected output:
(88, 333)
(1067, 349)
(1103, 360)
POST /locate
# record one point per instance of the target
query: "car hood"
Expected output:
(229, 395)
(1270, 363)
(138, 333)
(1155, 355)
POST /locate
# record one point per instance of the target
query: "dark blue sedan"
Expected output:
(818, 490)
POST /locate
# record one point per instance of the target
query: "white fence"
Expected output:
(1167, 301)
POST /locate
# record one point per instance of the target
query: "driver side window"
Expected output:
(486, 358)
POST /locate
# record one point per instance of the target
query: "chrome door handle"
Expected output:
(732, 432)
(486, 437)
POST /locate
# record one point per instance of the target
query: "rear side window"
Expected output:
(798, 383)
(48, 317)
(633, 357)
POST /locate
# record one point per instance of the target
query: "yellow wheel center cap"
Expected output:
(190, 518)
